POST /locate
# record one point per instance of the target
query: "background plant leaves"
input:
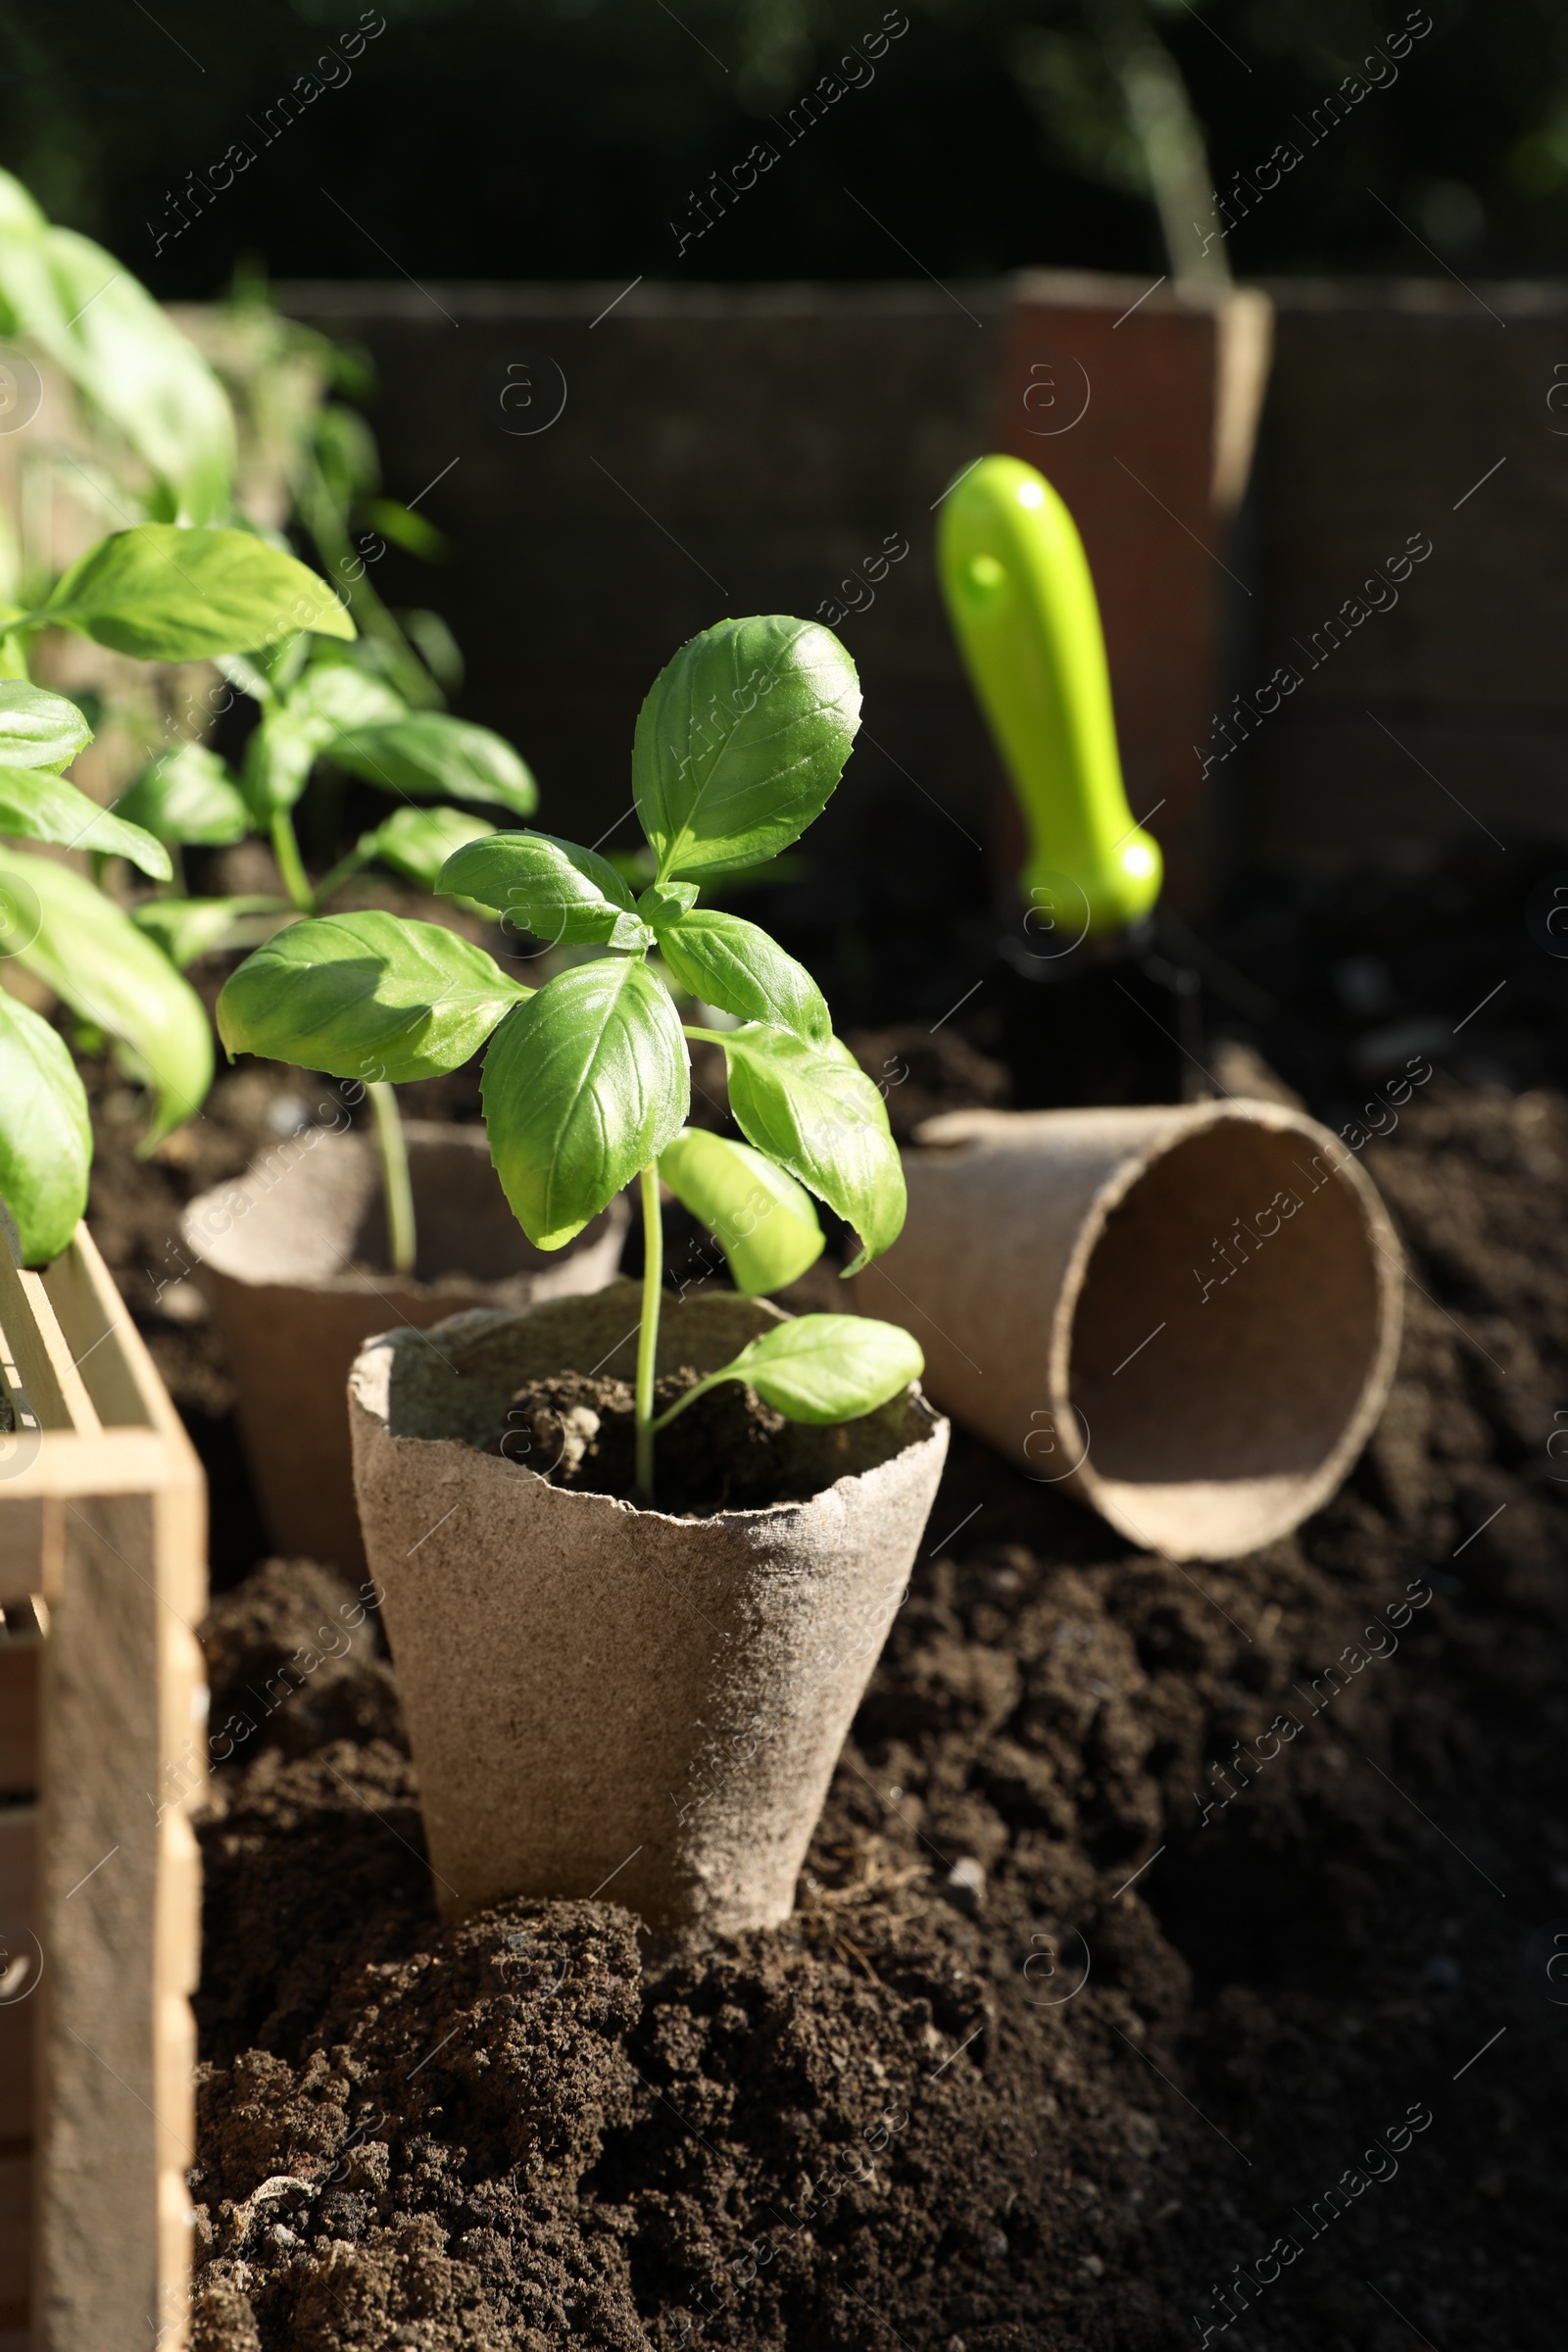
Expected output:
(45, 1134)
(38, 729)
(164, 594)
(92, 956)
(36, 804)
(328, 700)
(101, 328)
(429, 756)
(187, 795)
(419, 842)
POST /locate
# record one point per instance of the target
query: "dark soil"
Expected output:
(1157, 1918)
(728, 1451)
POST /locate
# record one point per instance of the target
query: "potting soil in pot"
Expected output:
(1176, 1946)
(729, 1451)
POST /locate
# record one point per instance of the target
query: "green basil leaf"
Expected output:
(327, 702)
(164, 594)
(185, 928)
(550, 888)
(667, 902)
(419, 842)
(431, 756)
(37, 806)
(187, 793)
(814, 1109)
(38, 729)
(367, 996)
(729, 962)
(104, 332)
(583, 1086)
(92, 954)
(45, 1134)
(827, 1367)
(762, 1220)
(741, 741)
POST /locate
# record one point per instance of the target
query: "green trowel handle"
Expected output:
(1022, 604)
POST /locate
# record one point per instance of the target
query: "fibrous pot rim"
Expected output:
(370, 1385)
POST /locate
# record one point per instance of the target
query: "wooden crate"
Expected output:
(102, 1755)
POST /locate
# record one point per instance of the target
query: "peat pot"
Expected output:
(1189, 1317)
(599, 1696)
(291, 1256)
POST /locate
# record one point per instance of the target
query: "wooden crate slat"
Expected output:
(50, 1381)
(102, 1512)
(118, 1373)
(57, 1463)
(100, 1764)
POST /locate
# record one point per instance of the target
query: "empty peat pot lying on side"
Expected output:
(294, 1256)
(597, 1693)
(1189, 1317)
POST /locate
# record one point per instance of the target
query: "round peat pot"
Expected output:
(292, 1257)
(602, 1696)
(1189, 1317)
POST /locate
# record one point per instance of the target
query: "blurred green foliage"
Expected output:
(563, 138)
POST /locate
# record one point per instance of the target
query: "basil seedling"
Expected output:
(165, 593)
(587, 1080)
(318, 705)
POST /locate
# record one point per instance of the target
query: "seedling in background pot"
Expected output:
(587, 1081)
(318, 705)
(158, 593)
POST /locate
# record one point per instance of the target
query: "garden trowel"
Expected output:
(1024, 609)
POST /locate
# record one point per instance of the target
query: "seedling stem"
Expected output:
(389, 1135)
(648, 1332)
(290, 864)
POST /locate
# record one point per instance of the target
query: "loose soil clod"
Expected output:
(907, 2116)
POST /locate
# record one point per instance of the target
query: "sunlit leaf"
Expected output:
(101, 329)
(430, 756)
(583, 1086)
(814, 1109)
(741, 740)
(733, 964)
(367, 996)
(324, 703)
(419, 842)
(45, 1134)
(187, 795)
(38, 805)
(825, 1369)
(761, 1218)
(169, 595)
(92, 956)
(38, 729)
(552, 888)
